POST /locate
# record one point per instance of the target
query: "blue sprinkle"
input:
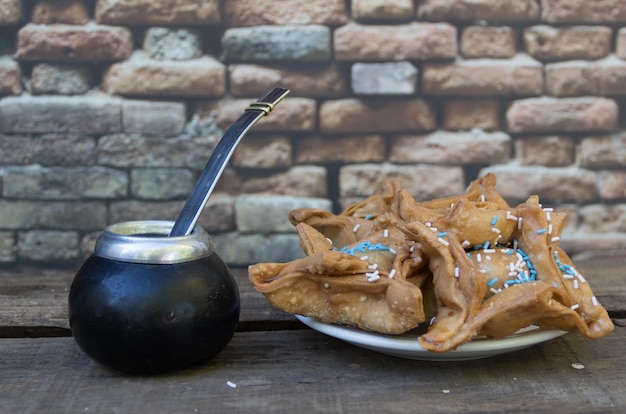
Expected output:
(492, 282)
(486, 245)
(541, 231)
(368, 217)
(494, 220)
(442, 234)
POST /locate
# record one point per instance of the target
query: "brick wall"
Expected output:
(109, 110)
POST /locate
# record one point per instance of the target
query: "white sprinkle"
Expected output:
(510, 216)
(373, 278)
(329, 241)
(412, 249)
(577, 365)
(489, 251)
(482, 198)
(451, 206)
(356, 228)
(495, 230)
(364, 257)
(580, 277)
(487, 257)
(575, 306)
(373, 266)
(548, 209)
(392, 251)
(442, 241)
(231, 384)
(519, 223)
(555, 239)
(479, 258)
(494, 291)
(575, 284)
(466, 243)
(432, 320)
(433, 229)
(594, 301)
(385, 233)
(567, 276)
(428, 224)
(549, 228)
(457, 271)
(392, 273)
(483, 271)
(326, 285)
(548, 216)
(446, 391)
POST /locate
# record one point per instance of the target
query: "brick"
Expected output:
(521, 75)
(243, 250)
(10, 77)
(60, 79)
(263, 152)
(60, 11)
(379, 43)
(325, 81)
(549, 43)
(560, 115)
(351, 115)
(290, 43)
(16, 150)
(551, 151)
(67, 43)
(468, 114)
(581, 246)
(570, 184)
(443, 147)
(64, 183)
(605, 77)
(603, 152)
(153, 118)
(163, 43)
(291, 115)
(59, 215)
(161, 183)
(64, 150)
(139, 76)
(583, 11)
(267, 214)
(11, 11)
(339, 149)
(86, 115)
(134, 150)
(598, 218)
(382, 10)
(298, 181)
(620, 43)
(392, 78)
(360, 180)
(166, 12)
(488, 42)
(489, 10)
(612, 185)
(286, 12)
(8, 247)
(48, 246)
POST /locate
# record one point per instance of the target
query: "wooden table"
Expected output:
(280, 365)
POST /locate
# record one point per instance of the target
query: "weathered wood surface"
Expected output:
(34, 301)
(305, 371)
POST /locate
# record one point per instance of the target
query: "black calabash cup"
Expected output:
(147, 303)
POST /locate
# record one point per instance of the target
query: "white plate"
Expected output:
(407, 346)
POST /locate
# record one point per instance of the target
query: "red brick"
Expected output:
(325, 81)
(11, 11)
(603, 152)
(10, 77)
(270, 12)
(467, 114)
(490, 10)
(612, 185)
(583, 11)
(351, 115)
(566, 43)
(339, 149)
(292, 114)
(138, 76)
(413, 41)
(60, 11)
(73, 43)
(263, 152)
(567, 114)
(620, 43)
(488, 42)
(163, 12)
(605, 77)
(597, 218)
(521, 75)
(551, 151)
(382, 10)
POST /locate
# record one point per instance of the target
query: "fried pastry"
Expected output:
(465, 265)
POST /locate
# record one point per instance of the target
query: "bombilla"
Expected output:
(212, 171)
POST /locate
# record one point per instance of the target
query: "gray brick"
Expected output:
(394, 78)
(161, 183)
(64, 150)
(257, 213)
(18, 214)
(163, 43)
(16, 149)
(55, 215)
(310, 43)
(45, 114)
(7, 247)
(64, 183)
(242, 250)
(60, 79)
(153, 118)
(47, 246)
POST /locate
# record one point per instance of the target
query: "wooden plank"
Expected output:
(34, 300)
(306, 371)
